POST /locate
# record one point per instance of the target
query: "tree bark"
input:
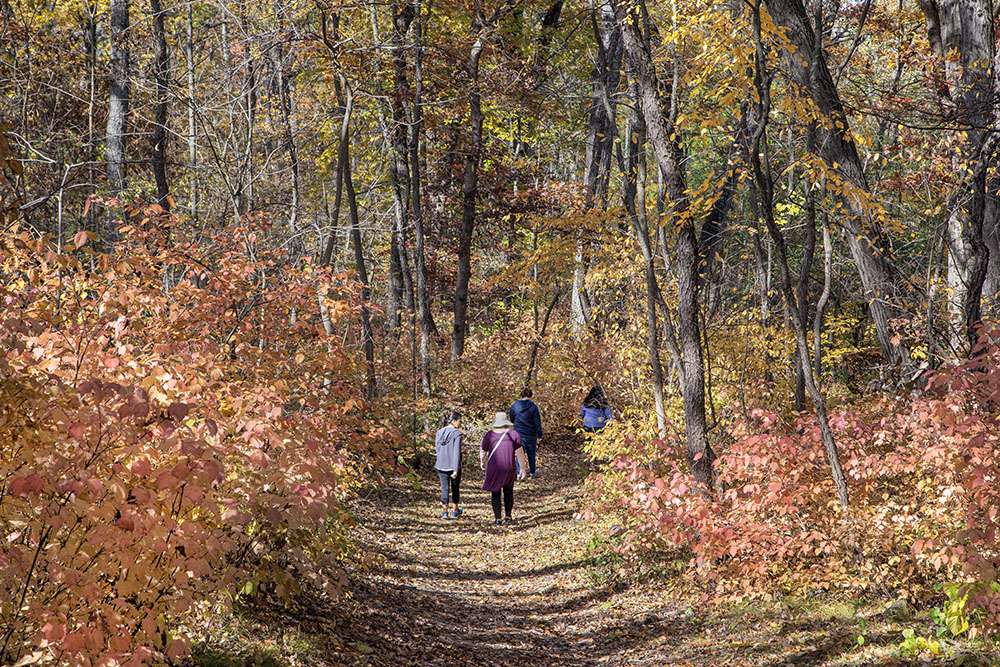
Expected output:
(192, 128)
(470, 187)
(760, 162)
(964, 28)
(161, 81)
(416, 120)
(118, 107)
(802, 285)
(885, 289)
(667, 154)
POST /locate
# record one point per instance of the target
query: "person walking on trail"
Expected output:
(528, 424)
(595, 410)
(448, 445)
(500, 449)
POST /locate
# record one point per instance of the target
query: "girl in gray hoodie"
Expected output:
(448, 445)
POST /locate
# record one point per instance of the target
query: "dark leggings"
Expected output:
(447, 481)
(508, 500)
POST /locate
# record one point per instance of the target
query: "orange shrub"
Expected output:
(175, 427)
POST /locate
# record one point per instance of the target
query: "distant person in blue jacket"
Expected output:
(528, 424)
(595, 411)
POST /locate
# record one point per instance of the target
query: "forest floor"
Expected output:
(465, 592)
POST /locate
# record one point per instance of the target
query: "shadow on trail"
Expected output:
(464, 592)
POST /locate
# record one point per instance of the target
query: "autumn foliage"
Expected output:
(923, 479)
(177, 430)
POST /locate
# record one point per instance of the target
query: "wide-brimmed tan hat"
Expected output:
(501, 421)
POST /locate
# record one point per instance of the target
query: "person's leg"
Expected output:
(495, 500)
(443, 477)
(508, 501)
(529, 450)
(455, 481)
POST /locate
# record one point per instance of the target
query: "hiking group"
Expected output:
(507, 451)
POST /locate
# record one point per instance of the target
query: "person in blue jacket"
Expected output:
(528, 424)
(595, 411)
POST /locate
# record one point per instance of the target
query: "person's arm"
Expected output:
(458, 466)
(538, 423)
(519, 453)
(482, 454)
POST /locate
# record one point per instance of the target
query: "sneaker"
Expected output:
(497, 522)
(534, 474)
(509, 520)
(446, 515)
(457, 513)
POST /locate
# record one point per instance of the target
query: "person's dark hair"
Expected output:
(526, 393)
(595, 399)
(448, 416)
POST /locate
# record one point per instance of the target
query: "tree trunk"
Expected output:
(416, 119)
(802, 285)
(760, 162)
(821, 302)
(161, 80)
(964, 28)
(118, 108)
(192, 128)
(668, 157)
(885, 289)
(529, 379)
(470, 188)
(289, 120)
(604, 80)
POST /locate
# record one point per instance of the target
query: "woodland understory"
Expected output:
(251, 252)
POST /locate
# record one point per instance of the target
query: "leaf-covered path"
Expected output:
(463, 591)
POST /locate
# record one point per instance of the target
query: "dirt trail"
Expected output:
(465, 592)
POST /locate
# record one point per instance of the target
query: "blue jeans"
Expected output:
(449, 483)
(529, 445)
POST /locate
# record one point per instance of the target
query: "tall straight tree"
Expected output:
(161, 80)
(886, 291)
(118, 104)
(760, 160)
(961, 34)
(421, 17)
(481, 24)
(662, 138)
(604, 80)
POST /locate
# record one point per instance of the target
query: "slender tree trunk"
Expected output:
(423, 298)
(289, 120)
(118, 107)
(760, 162)
(635, 203)
(604, 80)
(802, 285)
(192, 137)
(359, 264)
(665, 149)
(91, 49)
(887, 291)
(161, 80)
(824, 298)
(529, 379)
(470, 189)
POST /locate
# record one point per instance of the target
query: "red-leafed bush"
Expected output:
(924, 479)
(175, 428)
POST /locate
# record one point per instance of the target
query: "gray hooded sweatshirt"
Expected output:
(448, 445)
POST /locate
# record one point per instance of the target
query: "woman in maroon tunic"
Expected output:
(501, 446)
